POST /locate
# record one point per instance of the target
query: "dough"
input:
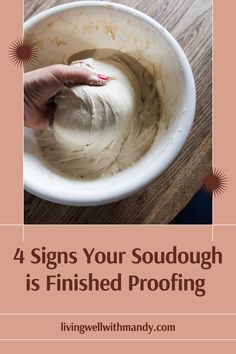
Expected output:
(99, 130)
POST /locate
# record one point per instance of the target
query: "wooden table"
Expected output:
(190, 23)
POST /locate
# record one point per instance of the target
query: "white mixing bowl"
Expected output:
(67, 29)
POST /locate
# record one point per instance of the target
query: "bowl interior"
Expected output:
(67, 29)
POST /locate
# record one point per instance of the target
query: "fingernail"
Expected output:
(102, 77)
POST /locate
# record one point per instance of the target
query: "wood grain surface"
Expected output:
(190, 21)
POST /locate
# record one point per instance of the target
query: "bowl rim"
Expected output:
(172, 151)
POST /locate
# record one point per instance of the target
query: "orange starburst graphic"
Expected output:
(216, 183)
(23, 51)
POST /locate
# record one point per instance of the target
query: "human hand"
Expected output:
(42, 84)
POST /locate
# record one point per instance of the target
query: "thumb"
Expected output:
(75, 75)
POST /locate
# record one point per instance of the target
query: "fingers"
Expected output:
(75, 75)
(35, 119)
(42, 84)
(39, 117)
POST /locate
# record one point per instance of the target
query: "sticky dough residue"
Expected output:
(102, 130)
